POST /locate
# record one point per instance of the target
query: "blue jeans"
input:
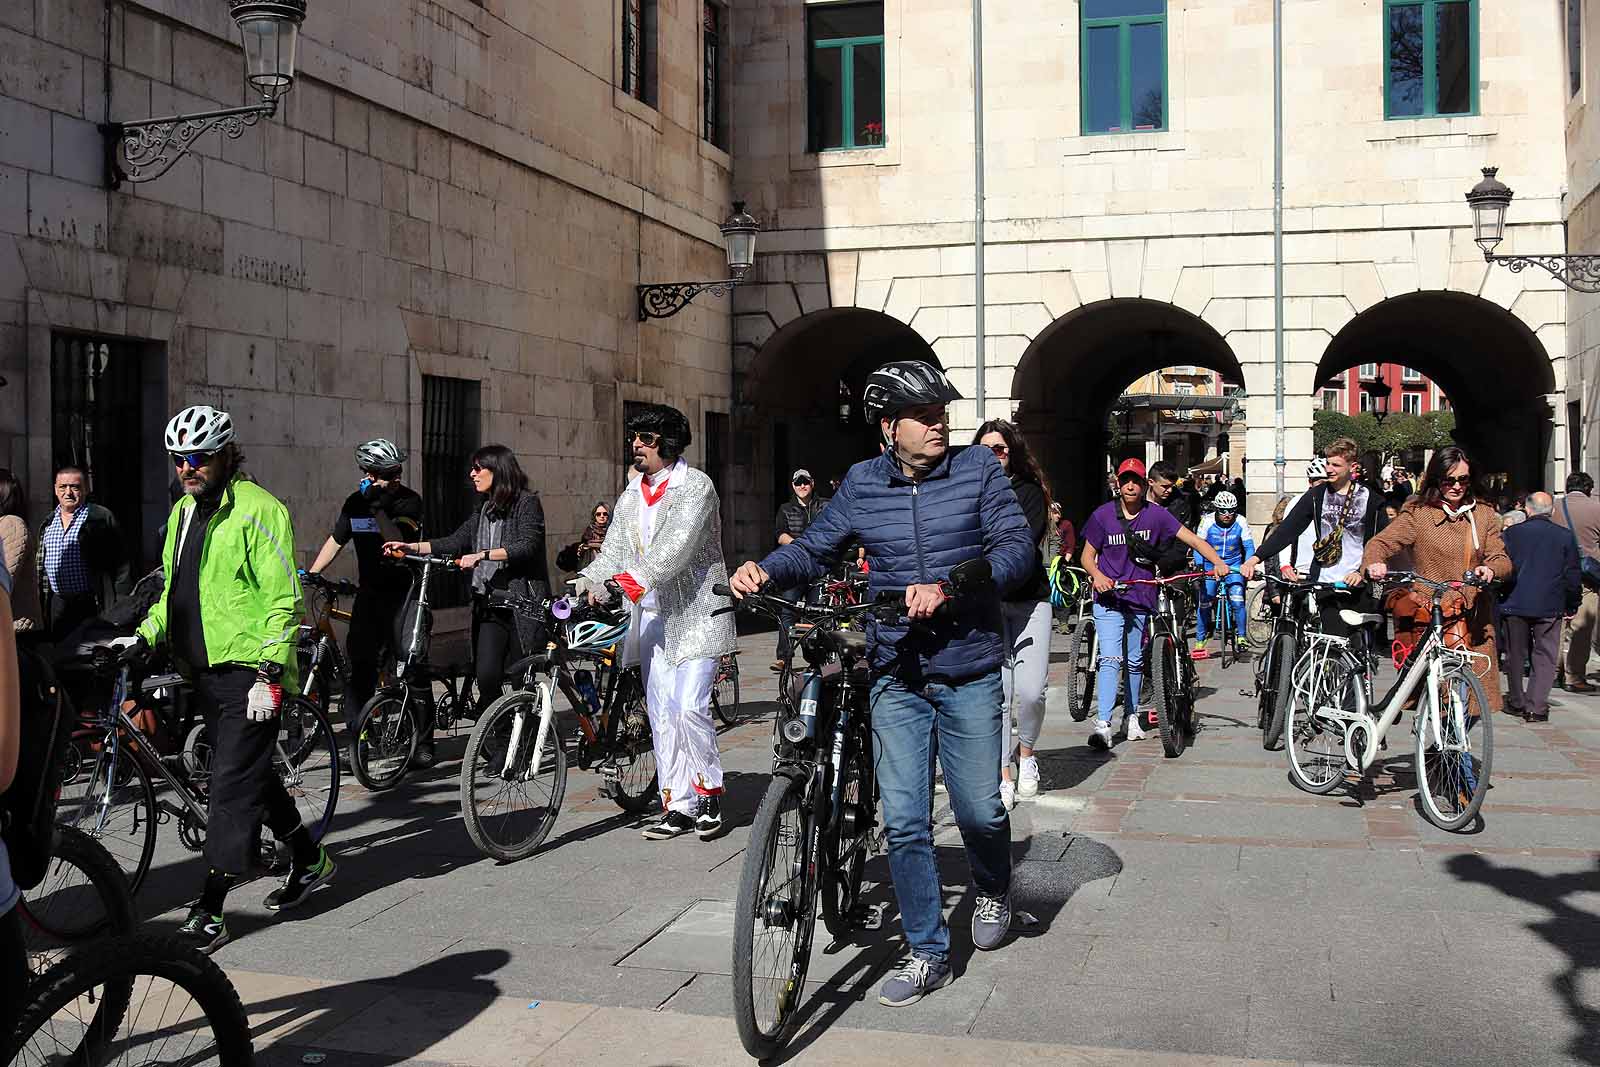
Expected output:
(1111, 625)
(960, 722)
(1234, 591)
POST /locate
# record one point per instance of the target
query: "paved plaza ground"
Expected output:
(1190, 911)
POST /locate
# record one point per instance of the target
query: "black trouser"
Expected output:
(1359, 599)
(1539, 639)
(63, 614)
(374, 631)
(494, 643)
(14, 972)
(245, 789)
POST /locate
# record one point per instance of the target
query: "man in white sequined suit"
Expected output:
(664, 548)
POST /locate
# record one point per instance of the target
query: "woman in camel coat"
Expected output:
(1448, 532)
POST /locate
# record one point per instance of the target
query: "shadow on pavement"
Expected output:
(1569, 929)
(458, 991)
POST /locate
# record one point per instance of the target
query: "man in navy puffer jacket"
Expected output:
(920, 509)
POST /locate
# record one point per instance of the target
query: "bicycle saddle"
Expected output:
(846, 642)
(1357, 618)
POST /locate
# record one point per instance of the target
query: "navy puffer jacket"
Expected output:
(915, 533)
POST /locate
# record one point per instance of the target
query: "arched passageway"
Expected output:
(793, 409)
(1495, 372)
(1075, 369)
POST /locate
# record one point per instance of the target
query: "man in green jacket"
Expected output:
(230, 610)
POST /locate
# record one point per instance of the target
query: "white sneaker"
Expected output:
(1100, 736)
(1028, 777)
(1008, 793)
(1135, 731)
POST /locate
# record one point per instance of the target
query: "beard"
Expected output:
(201, 483)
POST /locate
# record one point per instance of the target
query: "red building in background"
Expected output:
(1409, 391)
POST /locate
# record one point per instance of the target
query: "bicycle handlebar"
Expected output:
(775, 606)
(1467, 580)
(342, 588)
(1125, 585)
(417, 557)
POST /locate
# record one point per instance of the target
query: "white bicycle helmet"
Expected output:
(1317, 468)
(1225, 501)
(379, 454)
(200, 428)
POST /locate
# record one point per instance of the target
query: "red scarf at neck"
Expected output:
(652, 495)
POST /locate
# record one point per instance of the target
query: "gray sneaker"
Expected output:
(919, 977)
(990, 921)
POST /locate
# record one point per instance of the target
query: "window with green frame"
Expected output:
(1123, 65)
(1431, 49)
(844, 77)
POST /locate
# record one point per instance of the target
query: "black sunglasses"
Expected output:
(802, 481)
(1459, 479)
(195, 460)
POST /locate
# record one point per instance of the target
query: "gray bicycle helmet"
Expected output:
(380, 454)
(200, 428)
(903, 384)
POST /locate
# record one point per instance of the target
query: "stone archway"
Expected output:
(1496, 373)
(790, 403)
(1075, 368)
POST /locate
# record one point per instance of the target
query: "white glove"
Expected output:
(120, 643)
(596, 591)
(264, 701)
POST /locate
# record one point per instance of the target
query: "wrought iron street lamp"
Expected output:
(1379, 391)
(269, 31)
(665, 299)
(1489, 200)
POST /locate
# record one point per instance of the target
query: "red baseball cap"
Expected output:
(1134, 467)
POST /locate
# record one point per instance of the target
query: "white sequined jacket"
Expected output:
(682, 563)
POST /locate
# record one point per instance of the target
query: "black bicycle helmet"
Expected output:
(670, 423)
(903, 384)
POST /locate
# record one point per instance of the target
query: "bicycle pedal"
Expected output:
(872, 916)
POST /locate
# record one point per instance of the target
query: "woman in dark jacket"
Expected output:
(503, 546)
(1025, 612)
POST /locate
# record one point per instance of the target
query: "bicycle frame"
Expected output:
(115, 724)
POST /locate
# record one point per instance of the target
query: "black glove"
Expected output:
(134, 653)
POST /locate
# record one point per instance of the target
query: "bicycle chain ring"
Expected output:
(191, 831)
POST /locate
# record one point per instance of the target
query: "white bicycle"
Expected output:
(1333, 734)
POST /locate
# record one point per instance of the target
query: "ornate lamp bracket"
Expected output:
(665, 299)
(1580, 273)
(145, 150)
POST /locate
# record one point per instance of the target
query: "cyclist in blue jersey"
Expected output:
(1230, 536)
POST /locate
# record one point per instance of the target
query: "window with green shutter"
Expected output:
(1123, 65)
(844, 78)
(1431, 49)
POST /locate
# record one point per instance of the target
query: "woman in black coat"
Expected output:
(502, 544)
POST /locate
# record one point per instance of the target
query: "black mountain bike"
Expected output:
(1168, 666)
(817, 823)
(1293, 615)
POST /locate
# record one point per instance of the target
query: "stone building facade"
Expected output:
(1581, 72)
(437, 240)
(1111, 254)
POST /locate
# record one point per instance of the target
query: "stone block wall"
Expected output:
(453, 187)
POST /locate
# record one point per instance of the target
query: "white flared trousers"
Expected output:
(679, 701)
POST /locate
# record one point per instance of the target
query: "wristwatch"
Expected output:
(270, 671)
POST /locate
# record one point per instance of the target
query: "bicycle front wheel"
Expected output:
(1082, 658)
(386, 739)
(181, 1008)
(1225, 630)
(307, 761)
(84, 897)
(510, 806)
(1166, 675)
(1455, 751)
(1316, 744)
(773, 920)
(117, 807)
(1277, 690)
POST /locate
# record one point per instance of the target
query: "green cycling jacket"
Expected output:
(250, 604)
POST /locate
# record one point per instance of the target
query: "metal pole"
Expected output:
(1277, 244)
(977, 207)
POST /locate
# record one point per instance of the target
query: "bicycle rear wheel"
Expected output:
(386, 739)
(1277, 690)
(636, 787)
(180, 1008)
(118, 809)
(1455, 752)
(1316, 745)
(84, 897)
(1167, 677)
(1082, 657)
(510, 810)
(725, 693)
(1258, 618)
(307, 760)
(773, 921)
